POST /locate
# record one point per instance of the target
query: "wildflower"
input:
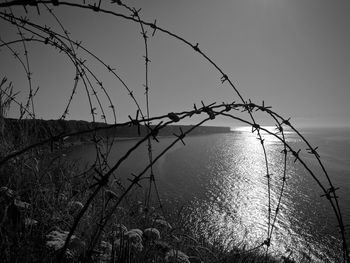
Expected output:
(134, 235)
(160, 222)
(57, 238)
(6, 193)
(120, 229)
(176, 256)
(28, 222)
(21, 204)
(134, 238)
(152, 233)
(136, 230)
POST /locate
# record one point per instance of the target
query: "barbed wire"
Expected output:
(45, 35)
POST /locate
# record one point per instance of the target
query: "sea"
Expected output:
(220, 182)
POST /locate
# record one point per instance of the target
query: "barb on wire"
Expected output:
(153, 131)
(95, 7)
(313, 151)
(296, 154)
(329, 193)
(181, 136)
(135, 180)
(154, 27)
(136, 122)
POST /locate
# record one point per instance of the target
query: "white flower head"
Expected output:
(28, 222)
(120, 229)
(20, 204)
(56, 239)
(134, 235)
(6, 192)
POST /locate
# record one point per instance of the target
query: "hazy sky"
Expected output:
(293, 54)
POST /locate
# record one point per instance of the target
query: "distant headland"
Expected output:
(44, 129)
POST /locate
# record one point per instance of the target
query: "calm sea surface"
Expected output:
(221, 179)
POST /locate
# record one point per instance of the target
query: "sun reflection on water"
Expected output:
(243, 189)
(237, 204)
(237, 207)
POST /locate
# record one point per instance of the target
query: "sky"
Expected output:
(292, 54)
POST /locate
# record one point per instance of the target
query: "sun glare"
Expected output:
(249, 128)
